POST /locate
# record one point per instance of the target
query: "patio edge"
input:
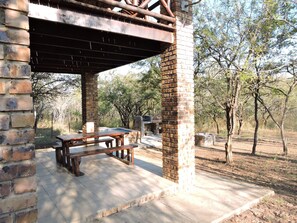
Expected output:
(134, 202)
(244, 208)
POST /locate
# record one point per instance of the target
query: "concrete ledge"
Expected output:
(134, 202)
(244, 208)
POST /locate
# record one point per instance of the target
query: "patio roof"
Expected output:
(90, 39)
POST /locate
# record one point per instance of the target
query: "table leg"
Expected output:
(68, 163)
(63, 157)
(117, 145)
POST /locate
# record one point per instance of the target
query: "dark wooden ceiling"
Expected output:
(68, 39)
(63, 48)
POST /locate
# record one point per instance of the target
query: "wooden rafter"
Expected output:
(70, 36)
(129, 8)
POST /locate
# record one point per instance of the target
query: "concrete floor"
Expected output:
(110, 186)
(107, 186)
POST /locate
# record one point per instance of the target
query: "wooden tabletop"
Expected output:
(81, 136)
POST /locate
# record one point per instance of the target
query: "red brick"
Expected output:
(25, 185)
(5, 189)
(17, 53)
(2, 87)
(14, 70)
(1, 51)
(20, 5)
(4, 122)
(12, 171)
(8, 172)
(20, 87)
(16, 103)
(18, 203)
(18, 153)
(24, 152)
(17, 137)
(22, 120)
(26, 170)
(6, 152)
(27, 217)
(16, 19)
(11, 35)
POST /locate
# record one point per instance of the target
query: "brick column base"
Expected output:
(18, 201)
(178, 103)
(89, 99)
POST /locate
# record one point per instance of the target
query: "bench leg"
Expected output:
(108, 144)
(59, 155)
(132, 156)
(75, 166)
(122, 154)
(128, 155)
(63, 157)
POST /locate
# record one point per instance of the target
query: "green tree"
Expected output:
(281, 89)
(269, 32)
(48, 86)
(242, 40)
(133, 94)
(222, 39)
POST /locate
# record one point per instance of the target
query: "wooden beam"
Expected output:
(65, 56)
(58, 30)
(85, 45)
(98, 23)
(60, 50)
(60, 70)
(74, 67)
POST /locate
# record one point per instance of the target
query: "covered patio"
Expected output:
(86, 38)
(121, 193)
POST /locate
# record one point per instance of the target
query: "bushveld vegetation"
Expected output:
(245, 77)
(245, 92)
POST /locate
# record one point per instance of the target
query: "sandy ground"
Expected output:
(268, 168)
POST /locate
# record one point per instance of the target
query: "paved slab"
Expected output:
(108, 186)
(213, 199)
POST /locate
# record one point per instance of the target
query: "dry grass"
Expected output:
(268, 168)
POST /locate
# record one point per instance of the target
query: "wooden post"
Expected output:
(52, 125)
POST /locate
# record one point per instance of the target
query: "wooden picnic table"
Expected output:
(80, 139)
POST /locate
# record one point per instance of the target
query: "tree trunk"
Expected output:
(230, 126)
(217, 124)
(240, 124)
(36, 122)
(228, 150)
(240, 118)
(284, 140)
(254, 149)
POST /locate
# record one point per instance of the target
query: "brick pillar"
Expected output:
(18, 201)
(178, 102)
(89, 90)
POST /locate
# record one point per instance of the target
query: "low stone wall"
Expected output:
(205, 139)
(131, 136)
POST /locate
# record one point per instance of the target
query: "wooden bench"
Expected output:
(58, 146)
(75, 157)
(58, 149)
(106, 140)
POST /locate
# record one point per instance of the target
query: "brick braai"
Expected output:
(178, 102)
(18, 201)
